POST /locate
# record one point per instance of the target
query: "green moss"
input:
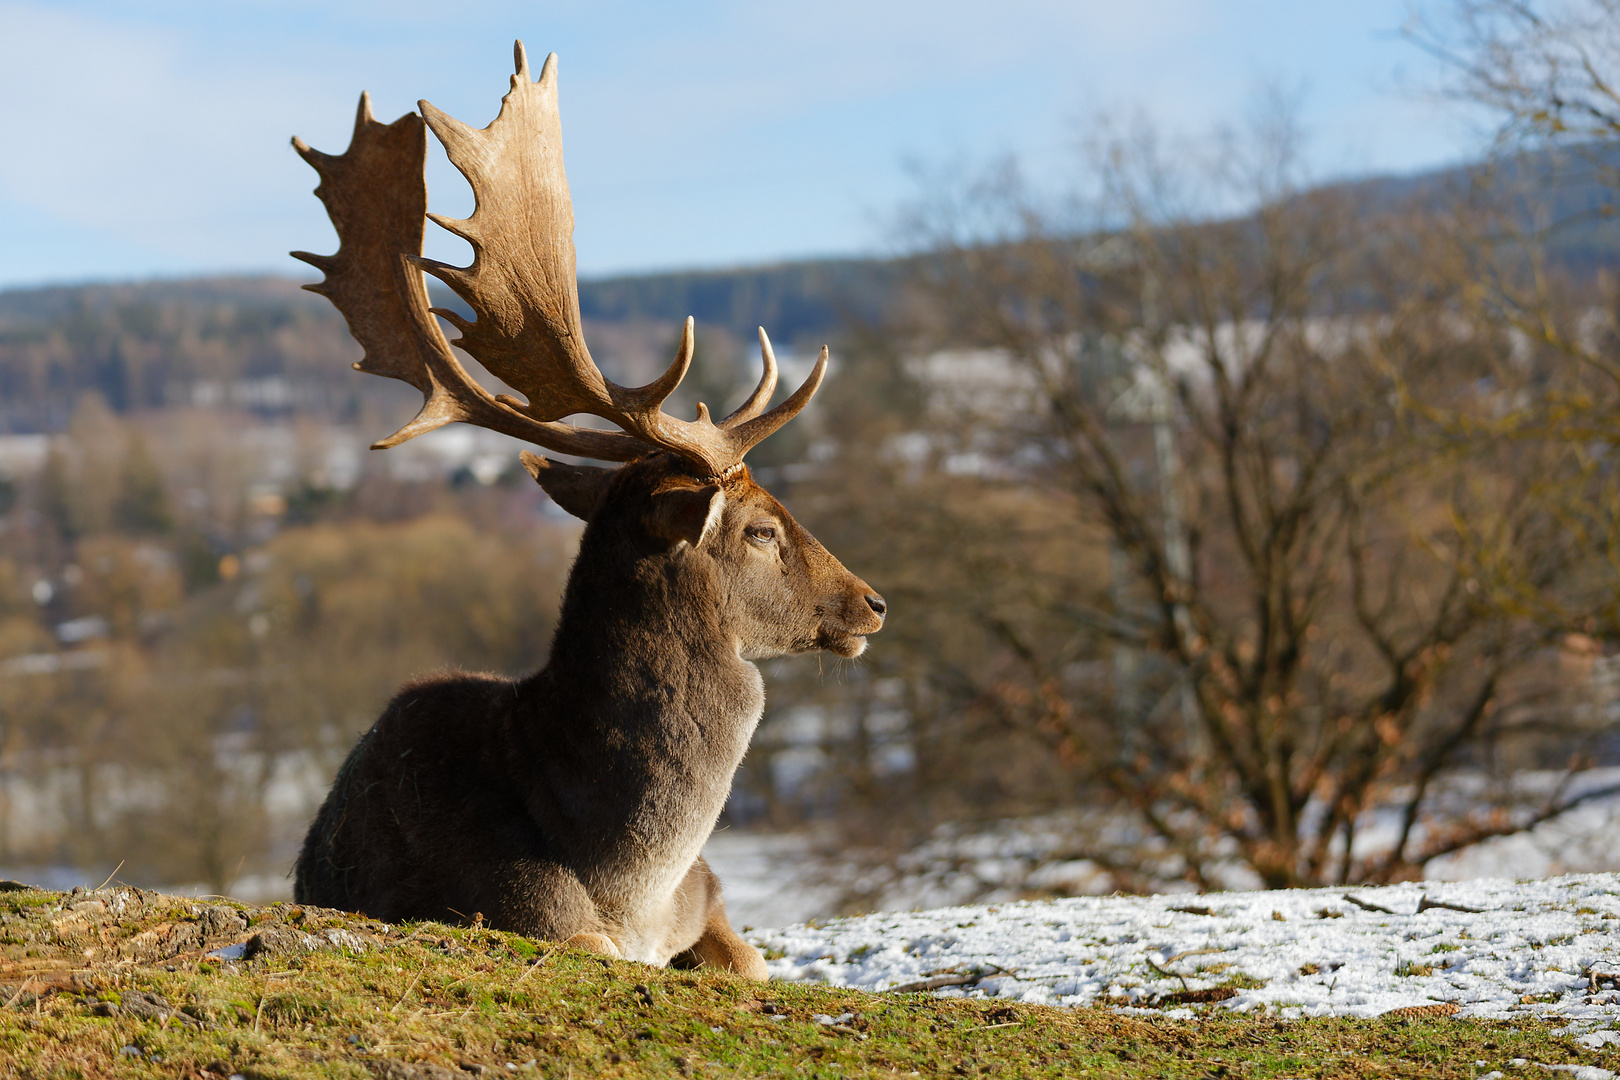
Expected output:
(458, 997)
(19, 903)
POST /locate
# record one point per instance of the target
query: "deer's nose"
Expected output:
(875, 602)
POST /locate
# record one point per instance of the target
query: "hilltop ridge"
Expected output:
(263, 344)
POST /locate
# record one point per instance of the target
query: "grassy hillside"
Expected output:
(119, 982)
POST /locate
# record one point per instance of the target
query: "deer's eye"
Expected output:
(762, 534)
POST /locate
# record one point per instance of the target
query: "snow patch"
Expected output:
(1540, 949)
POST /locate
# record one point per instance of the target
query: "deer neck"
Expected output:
(653, 630)
(641, 715)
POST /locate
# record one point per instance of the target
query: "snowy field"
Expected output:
(1528, 950)
(773, 879)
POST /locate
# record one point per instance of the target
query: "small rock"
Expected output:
(279, 941)
(222, 920)
(345, 939)
(148, 1006)
(828, 1021)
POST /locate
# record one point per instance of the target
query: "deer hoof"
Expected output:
(749, 962)
(593, 942)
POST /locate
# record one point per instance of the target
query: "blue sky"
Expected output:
(151, 138)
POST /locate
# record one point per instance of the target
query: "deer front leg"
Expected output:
(718, 945)
(722, 947)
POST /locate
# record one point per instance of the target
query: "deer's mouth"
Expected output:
(849, 646)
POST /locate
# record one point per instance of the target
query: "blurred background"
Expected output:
(1224, 398)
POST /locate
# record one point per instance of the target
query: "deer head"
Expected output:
(689, 490)
(775, 588)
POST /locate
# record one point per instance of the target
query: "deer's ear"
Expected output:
(575, 488)
(685, 511)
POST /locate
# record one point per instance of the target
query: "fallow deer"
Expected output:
(572, 804)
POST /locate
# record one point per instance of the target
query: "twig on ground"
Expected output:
(1424, 904)
(20, 988)
(408, 990)
(543, 958)
(1167, 972)
(117, 868)
(940, 982)
(1193, 952)
(1365, 905)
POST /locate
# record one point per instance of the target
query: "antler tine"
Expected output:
(749, 434)
(363, 114)
(647, 399)
(761, 396)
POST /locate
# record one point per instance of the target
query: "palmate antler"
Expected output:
(521, 287)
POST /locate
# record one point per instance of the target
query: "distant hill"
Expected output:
(794, 301)
(256, 342)
(264, 344)
(1571, 197)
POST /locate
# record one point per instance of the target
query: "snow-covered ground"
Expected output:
(772, 879)
(1533, 949)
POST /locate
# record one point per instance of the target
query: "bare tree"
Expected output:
(1551, 71)
(1235, 591)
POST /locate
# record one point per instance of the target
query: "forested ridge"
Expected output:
(264, 344)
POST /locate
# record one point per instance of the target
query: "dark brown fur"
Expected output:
(573, 804)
